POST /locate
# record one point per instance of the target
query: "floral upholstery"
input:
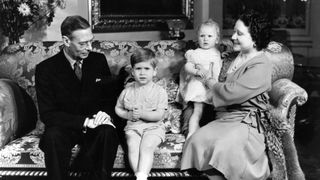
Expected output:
(17, 63)
(7, 115)
(24, 153)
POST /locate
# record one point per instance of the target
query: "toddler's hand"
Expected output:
(209, 82)
(198, 66)
(202, 72)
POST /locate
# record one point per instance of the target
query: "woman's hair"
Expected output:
(212, 24)
(73, 23)
(259, 27)
(143, 55)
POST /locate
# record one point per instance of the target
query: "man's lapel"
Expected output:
(89, 72)
(67, 75)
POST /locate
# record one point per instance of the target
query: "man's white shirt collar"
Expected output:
(71, 60)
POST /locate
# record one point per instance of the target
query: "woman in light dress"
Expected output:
(233, 145)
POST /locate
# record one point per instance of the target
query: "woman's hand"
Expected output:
(209, 82)
(201, 72)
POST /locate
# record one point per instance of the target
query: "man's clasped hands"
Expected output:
(98, 119)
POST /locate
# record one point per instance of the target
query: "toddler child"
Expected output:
(203, 62)
(143, 104)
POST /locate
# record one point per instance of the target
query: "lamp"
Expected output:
(175, 28)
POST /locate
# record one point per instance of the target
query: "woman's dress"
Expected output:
(234, 143)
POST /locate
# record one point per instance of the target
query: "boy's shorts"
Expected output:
(142, 129)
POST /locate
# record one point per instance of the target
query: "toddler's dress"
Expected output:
(191, 88)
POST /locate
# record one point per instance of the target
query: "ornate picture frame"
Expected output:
(138, 15)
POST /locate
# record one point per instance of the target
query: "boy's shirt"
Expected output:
(150, 98)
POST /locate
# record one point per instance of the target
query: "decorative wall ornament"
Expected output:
(176, 27)
(138, 15)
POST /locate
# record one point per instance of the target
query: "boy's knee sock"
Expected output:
(141, 176)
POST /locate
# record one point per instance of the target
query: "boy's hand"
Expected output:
(132, 116)
(136, 113)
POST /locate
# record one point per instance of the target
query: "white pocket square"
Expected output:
(98, 80)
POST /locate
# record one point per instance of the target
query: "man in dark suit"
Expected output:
(75, 102)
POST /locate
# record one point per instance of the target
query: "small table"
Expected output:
(311, 62)
(307, 73)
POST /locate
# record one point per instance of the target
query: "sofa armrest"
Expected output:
(285, 96)
(18, 114)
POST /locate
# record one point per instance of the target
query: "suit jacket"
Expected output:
(64, 100)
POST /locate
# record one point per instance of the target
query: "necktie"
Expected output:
(77, 69)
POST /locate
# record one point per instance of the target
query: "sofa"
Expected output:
(21, 127)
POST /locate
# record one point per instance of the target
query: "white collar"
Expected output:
(71, 60)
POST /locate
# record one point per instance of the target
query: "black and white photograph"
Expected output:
(159, 89)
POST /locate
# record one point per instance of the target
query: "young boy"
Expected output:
(143, 103)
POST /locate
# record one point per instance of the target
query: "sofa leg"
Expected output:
(294, 170)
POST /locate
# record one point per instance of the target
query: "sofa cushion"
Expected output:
(24, 153)
(172, 119)
(17, 62)
(7, 114)
(15, 103)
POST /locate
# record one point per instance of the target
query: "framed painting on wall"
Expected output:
(138, 15)
(289, 15)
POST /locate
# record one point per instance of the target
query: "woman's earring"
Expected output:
(155, 72)
(254, 45)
